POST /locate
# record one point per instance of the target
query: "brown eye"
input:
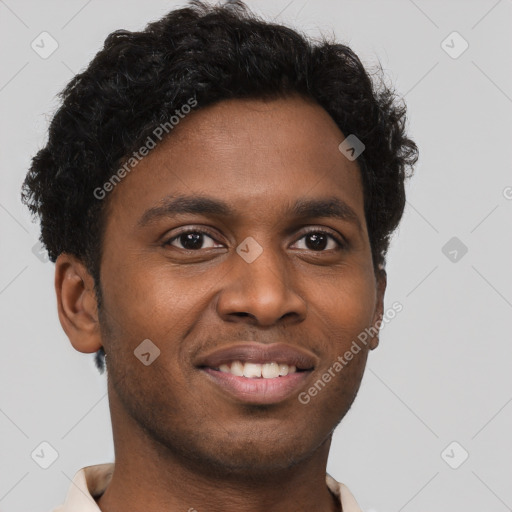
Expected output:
(320, 241)
(192, 241)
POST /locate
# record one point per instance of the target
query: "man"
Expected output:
(218, 194)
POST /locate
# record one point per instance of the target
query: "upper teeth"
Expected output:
(255, 370)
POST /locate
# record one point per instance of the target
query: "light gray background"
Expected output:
(442, 371)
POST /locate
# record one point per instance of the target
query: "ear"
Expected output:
(381, 282)
(77, 304)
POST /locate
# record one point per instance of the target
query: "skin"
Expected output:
(181, 442)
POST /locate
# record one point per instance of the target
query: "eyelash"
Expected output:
(339, 241)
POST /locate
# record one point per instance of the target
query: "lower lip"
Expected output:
(258, 390)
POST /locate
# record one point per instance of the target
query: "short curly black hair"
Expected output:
(209, 53)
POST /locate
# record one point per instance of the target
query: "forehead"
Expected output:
(252, 154)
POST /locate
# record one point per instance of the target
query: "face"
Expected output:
(239, 241)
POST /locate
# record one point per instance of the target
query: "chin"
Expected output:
(235, 455)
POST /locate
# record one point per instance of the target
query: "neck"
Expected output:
(150, 476)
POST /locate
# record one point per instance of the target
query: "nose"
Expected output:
(262, 292)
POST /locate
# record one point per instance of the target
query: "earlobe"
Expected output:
(77, 304)
(381, 282)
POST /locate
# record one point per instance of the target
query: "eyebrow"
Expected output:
(203, 205)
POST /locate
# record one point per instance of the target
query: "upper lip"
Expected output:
(252, 352)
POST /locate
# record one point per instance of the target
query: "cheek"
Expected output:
(345, 304)
(147, 296)
(156, 304)
(348, 308)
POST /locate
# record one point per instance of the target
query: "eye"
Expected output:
(192, 240)
(321, 241)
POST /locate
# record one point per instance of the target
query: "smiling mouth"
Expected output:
(256, 373)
